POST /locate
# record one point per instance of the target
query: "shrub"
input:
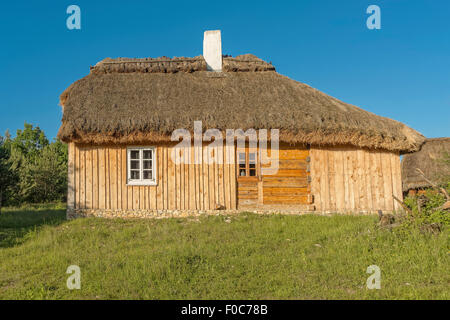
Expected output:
(426, 211)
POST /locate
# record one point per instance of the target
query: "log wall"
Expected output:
(355, 180)
(290, 185)
(342, 180)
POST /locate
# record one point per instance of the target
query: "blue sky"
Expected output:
(401, 71)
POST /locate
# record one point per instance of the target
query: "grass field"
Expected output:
(245, 256)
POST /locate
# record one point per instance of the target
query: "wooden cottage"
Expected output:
(119, 121)
(433, 160)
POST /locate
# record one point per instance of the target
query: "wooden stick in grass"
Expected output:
(404, 206)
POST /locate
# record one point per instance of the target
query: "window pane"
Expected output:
(242, 172)
(134, 164)
(252, 165)
(252, 172)
(252, 157)
(148, 174)
(147, 164)
(242, 158)
(135, 175)
(148, 154)
(134, 154)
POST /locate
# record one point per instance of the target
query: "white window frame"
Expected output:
(141, 181)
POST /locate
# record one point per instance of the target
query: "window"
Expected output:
(242, 166)
(141, 166)
(247, 163)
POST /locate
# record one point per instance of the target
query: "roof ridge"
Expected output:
(242, 63)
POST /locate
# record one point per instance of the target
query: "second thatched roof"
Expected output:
(431, 159)
(143, 100)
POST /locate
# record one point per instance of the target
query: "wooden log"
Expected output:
(165, 177)
(316, 178)
(331, 179)
(339, 180)
(171, 182)
(354, 181)
(102, 178)
(374, 179)
(285, 181)
(82, 178)
(368, 182)
(233, 176)
(287, 200)
(387, 181)
(211, 176)
(77, 177)
(361, 181)
(382, 202)
(159, 179)
(226, 177)
(289, 164)
(198, 181)
(220, 177)
(108, 192)
(326, 181)
(292, 154)
(119, 177)
(113, 177)
(216, 178)
(346, 177)
(124, 188)
(396, 180)
(141, 197)
(95, 178)
(70, 177)
(177, 172)
(205, 178)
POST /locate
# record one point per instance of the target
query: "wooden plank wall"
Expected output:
(97, 180)
(289, 186)
(355, 180)
(342, 180)
(247, 192)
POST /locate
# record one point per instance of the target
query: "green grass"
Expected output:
(251, 257)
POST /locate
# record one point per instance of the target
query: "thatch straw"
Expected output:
(244, 63)
(430, 160)
(144, 100)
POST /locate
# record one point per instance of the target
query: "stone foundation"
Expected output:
(104, 213)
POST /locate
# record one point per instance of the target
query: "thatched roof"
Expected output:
(142, 100)
(430, 160)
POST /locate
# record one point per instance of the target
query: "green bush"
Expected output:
(426, 210)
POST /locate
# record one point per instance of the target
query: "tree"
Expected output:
(6, 174)
(47, 175)
(25, 150)
(32, 169)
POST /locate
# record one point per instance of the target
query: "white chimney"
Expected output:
(212, 50)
